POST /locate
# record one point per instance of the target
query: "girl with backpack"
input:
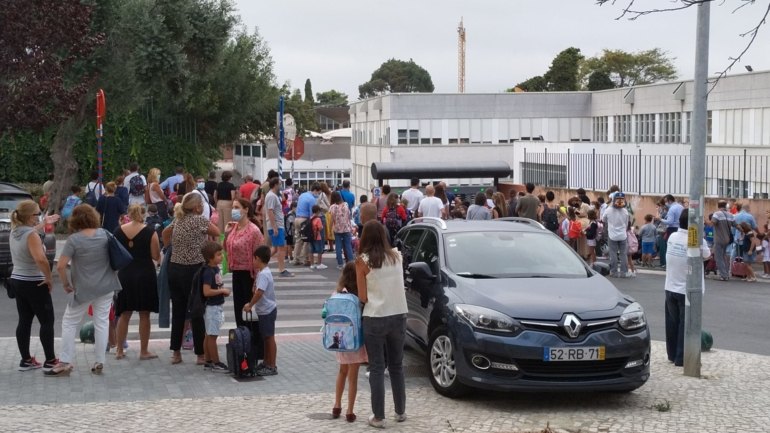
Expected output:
(393, 216)
(349, 362)
(633, 247)
(591, 232)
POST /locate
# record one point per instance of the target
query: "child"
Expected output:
(72, 201)
(633, 246)
(215, 299)
(649, 236)
(708, 231)
(575, 229)
(349, 361)
(289, 224)
(317, 245)
(593, 228)
(155, 222)
(765, 254)
(263, 302)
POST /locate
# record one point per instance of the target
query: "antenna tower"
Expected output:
(461, 57)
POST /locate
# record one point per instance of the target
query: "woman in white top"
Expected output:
(380, 278)
(154, 193)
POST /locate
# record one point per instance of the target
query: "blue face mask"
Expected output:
(201, 185)
(236, 215)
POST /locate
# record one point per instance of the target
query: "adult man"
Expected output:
(550, 215)
(430, 206)
(724, 223)
(615, 226)
(247, 188)
(672, 214)
(745, 216)
(170, 183)
(676, 283)
(513, 202)
(305, 205)
(581, 193)
(200, 188)
(276, 228)
(528, 205)
(211, 185)
(413, 195)
(136, 186)
(347, 196)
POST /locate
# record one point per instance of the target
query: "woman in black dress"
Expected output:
(139, 281)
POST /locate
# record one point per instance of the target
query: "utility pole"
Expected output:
(461, 57)
(694, 300)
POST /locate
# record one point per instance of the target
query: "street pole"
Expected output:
(280, 139)
(694, 299)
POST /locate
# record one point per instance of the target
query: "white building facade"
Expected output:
(638, 138)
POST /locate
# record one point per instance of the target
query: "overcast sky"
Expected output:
(339, 43)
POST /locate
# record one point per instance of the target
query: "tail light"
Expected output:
(48, 228)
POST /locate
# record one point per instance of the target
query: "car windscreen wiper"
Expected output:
(472, 275)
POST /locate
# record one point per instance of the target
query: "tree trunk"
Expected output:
(65, 167)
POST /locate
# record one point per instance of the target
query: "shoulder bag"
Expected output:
(119, 255)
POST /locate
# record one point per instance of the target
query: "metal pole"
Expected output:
(280, 139)
(694, 299)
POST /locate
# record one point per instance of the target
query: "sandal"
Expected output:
(148, 356)
(97, 368)
(59, 370)
(176, 358)
(350, 417)
(120, 355)
(336, 411)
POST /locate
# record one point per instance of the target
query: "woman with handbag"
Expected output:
(92, 282)
(187, 234)
(138, 279)
(31, 283)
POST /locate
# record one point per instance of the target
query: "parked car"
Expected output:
(507, 305)
(10, 196)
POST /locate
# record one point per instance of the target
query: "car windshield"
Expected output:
(508, 254)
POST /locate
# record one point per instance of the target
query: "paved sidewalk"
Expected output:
(133, 395)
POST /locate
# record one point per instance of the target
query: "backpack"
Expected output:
(575, 229)
(392, 221)
(633, 242)
(196, 303)
(306, 230)
(550, 219)
(91, 195)
(342, 330)
(136, 186)
(357, 215)
(70, 204)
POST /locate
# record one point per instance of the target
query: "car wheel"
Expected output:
(442, 367)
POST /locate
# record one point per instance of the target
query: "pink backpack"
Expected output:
(633, 242)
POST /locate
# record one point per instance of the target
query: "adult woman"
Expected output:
(110, 207)
(32, 282)
(223, 197)
(478, 210)
(140, 284)
(343, 229)
(242, 237)
(380, 279)
(92, 281)
(186, 234)
(441, 193)
(121, 192)
(499, 210)
(154, 193)
(324, 201)
(187, 185)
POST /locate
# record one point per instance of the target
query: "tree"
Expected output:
(331, 98)
(304, 114)
(600, 80)
(631, 69)
(309, 93)
(538, 83)
(562, 76)
(397, 76)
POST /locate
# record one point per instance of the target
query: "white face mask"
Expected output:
(236, 215)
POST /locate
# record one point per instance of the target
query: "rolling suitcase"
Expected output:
(738, 268)
(244, 348)
(710, 266)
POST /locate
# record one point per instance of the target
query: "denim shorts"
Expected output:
(267, 323)
(648, 247)
(317, 247)
(214, 318)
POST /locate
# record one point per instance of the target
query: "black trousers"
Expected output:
(180, 281)
(675, 306)
(243, 286)
(33, 300)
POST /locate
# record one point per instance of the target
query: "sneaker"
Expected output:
(220, 367)
(629, 274)
(49, 365)
(400, 417)
(321, 266)
(208, 365)
(312, 267)
(340, 267)
(267, 371)
(376, 423)
(285, 273)
(29, 364)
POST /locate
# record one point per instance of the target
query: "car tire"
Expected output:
(442, 368)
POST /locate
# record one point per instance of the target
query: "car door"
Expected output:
(421, 299)
(408, 241)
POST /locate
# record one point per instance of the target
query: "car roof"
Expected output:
(460, 225)
(10, 188)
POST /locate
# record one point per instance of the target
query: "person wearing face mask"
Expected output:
(200, 185)
(305, 205)
(672, 215)
(242, 237)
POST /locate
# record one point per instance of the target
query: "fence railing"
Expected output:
(739, 176)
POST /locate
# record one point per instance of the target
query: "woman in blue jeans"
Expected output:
(343, 229)
(380, 279)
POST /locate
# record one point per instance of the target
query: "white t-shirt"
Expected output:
(676, 261)
(134, 199)
(96, 187)
(413, 197)
(430, 207)
(616, 221)
(206, 205)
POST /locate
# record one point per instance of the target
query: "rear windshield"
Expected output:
(506, 254)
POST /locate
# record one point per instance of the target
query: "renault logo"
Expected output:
(572, 325)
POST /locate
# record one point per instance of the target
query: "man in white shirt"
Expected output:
(134, 197)
(200, 185)
(615, 228)
(413, 196)
(431, 206)
(676, 288)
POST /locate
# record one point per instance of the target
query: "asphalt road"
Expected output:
(735, 312)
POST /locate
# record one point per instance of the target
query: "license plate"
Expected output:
(5, 226)
(573, 353)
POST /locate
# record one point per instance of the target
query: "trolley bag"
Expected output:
(738, 268)
(710, 266)
(238, 349)
(257, 351)
(342, 331)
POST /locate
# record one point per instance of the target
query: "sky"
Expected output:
(339, 43)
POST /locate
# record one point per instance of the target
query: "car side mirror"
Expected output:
(418, 275)
(602, 268)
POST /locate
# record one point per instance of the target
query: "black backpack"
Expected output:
(196, 304)
(90, 197)
(306, 230)
(550, 219)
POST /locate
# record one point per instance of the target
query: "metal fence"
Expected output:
(745, 175)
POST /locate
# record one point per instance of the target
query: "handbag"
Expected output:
(119, 255)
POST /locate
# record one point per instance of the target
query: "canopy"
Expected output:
(435, 170)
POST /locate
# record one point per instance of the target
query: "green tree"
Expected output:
(397, 76)
(331, 98)
(304, 114)
(600, 80)
(562, 76)
(631, 69)
(538, 83)
(309, 93)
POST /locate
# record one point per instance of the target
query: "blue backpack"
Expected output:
(342, 330)
(69, 205)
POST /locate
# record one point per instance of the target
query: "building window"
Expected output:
(708, 126)
(601, 125)
(732, 188)
(414, 136)
(645, 128)
(622, 125)
(670, 127)
(435, 141)
(402, 136)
